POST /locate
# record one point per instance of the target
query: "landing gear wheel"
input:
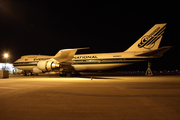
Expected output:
(62, 74)
(31, 74)
(76, 74)
(24, 74)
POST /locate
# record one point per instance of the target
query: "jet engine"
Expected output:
(36, 70)
(46, 65)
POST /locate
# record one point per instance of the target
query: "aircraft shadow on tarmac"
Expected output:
(103, 95)
(99, 77)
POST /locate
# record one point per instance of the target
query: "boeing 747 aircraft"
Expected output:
(65, 61)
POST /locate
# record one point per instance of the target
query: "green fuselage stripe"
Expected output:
(25, 65)
(110, 62)
(84, 62)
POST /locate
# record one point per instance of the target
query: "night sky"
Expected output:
(46, 26)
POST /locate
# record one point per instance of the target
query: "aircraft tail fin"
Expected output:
(150, 40)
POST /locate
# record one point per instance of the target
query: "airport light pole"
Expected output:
(4, 73)
(5, 56)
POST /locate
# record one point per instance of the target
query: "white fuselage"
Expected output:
(85, 62)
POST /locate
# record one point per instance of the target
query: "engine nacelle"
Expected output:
(46, 65)
(36, 70)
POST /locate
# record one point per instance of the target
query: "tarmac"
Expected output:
(80, 98)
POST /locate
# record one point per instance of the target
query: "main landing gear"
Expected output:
(70, 74)
(29, 73)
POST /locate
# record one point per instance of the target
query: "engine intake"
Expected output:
(46, 65)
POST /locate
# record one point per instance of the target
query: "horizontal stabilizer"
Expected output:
(157, 53)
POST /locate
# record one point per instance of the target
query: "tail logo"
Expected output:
(148, 41)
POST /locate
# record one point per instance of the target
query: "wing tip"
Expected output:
(75, 48)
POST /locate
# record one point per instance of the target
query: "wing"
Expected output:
(66, 55)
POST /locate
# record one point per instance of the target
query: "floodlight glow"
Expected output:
(6, 55)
